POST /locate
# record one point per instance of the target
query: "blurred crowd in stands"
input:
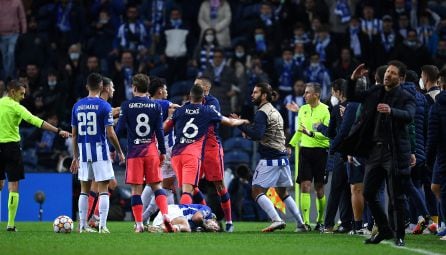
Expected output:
(53, 45)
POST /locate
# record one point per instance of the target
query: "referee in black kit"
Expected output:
(11, 163)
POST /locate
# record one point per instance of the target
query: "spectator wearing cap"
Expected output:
(388, 40)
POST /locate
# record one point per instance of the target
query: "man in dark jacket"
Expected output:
(412, 184)
(436, 142)
(387, 111)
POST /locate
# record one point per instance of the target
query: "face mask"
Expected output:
(239, 54)
(411, 43)
(259, 37)
(209, 38)
(314, 65)
(74, 55)
(421, 83)
(52, 84)
(103, 21)
(175, 22)
(334, 100)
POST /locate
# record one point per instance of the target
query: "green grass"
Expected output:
(38, 238)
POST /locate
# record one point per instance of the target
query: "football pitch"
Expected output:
(39, 238)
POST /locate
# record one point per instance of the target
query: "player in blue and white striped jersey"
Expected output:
(92, 123)
(187, 218)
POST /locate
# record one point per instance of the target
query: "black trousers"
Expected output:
(340, 196)
(379, 168)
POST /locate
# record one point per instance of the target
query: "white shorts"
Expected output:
(97, 171)
(174, 211)
(166, 167)
(273, 173)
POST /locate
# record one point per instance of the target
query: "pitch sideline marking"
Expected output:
(421, 251)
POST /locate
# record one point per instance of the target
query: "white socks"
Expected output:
(83, 209)
(291, 205)
(104, 205)
(268, 207)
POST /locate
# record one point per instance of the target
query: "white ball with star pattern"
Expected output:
(63, 224)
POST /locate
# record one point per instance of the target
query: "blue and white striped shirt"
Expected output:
(91, 116)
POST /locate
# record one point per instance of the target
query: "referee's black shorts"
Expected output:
(312, 164)
(11, 162)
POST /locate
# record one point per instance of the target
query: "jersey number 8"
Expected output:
(142, 125)
(87, 123)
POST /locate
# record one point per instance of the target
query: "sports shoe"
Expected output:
(327, 230)
(139, 230)
(275, 225)
(342, 230)
(319, 226)
(87, 229)
(11, 229)
(433, 228)
(229, 228)
(353, 232)
(94, 222)
(443, 238)
(168, 224)
(104, 230)
(420, 227)
(363, 232)
(375, 230)
(154, 229)
(301, 228)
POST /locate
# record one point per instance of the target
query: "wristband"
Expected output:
(58, 130)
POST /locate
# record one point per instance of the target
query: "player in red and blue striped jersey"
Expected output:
(191, 123)
(158, 92)
(92, 123)
(142, 118)
(213, 165)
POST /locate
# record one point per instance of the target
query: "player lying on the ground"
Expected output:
(187, 218)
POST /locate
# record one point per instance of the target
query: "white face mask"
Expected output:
(74, 55)
(209, 38)
(239, 54)
(421, 83)
(334, 100)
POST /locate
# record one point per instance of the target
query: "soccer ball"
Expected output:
(63, 224)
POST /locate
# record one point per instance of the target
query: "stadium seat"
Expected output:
(236, 132)
(180, 88)
(238, 143)
(235, 157)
